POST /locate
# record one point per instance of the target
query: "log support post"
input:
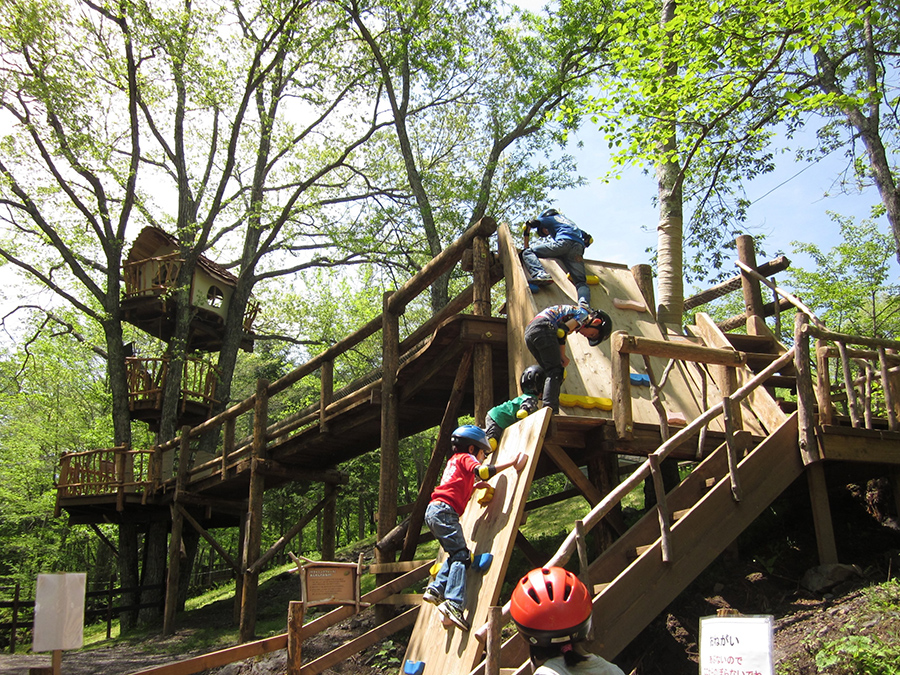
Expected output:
(753, 304)
(175, 538)
(823, 384)
(294, 639)
(390, 441)
(253, 540)
(805, 396)
(481, 306)
(621, 379)
(821, 511)
(239, 581)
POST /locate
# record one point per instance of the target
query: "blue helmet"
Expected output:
(469, 434)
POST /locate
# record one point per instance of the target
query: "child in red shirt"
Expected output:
(464, 472)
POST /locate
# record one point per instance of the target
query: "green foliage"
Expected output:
(850, 287)
(859, 654)
(54, 399)
(868, 643)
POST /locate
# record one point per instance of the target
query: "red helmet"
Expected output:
(551, 607)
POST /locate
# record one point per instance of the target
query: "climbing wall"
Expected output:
(589, 373)
(488, 529)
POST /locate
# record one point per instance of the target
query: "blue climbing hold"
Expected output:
(413, 667)
(640, 379)
(482, 562)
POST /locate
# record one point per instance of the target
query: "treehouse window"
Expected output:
(215, 297)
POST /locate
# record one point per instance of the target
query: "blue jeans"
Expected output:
(569, 253)
(450, 582)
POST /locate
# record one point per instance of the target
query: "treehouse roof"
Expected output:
(153, 242)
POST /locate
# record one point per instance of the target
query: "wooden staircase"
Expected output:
(631, 582)
(708, 520)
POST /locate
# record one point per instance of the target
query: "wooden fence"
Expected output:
(99, 606)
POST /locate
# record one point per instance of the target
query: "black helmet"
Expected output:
(549, 213)
(469, 434)
(532, 380)
(602, 323)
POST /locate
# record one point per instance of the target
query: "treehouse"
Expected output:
(147, 380)
(151, 270)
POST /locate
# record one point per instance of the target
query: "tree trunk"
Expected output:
(669, 231)
(154, 571)
(868, 126)
(128, 574)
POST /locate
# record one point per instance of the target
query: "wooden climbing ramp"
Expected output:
(590, 372)
(489, 529)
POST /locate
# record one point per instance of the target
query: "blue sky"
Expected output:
(791, 204)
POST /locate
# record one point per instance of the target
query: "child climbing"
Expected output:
(552, 610)
(545, 337)
(448, 502)
(560, 239)
(506, 414)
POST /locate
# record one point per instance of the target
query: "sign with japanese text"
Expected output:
(736, 645)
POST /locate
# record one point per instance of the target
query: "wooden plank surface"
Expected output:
(590, 373)
(759, 403)
(491, 529)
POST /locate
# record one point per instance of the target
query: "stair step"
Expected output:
(787, 406)
(783, 382)
(750, 343)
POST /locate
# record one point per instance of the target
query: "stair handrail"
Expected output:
(600, 511)
(396, 302)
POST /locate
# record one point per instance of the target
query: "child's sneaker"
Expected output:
(453, 613)
(432, 596)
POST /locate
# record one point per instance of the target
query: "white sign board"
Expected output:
(59, 612)
(736, 645)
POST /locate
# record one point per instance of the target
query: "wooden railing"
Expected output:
(622, 346)
(84, 472)
(868, 387)
(112, 471)
(152, 276)
(235, 449)
(815, 398)
(147, 380)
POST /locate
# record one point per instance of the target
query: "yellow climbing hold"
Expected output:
(487, 494)
(586, 402)
(590, 279)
